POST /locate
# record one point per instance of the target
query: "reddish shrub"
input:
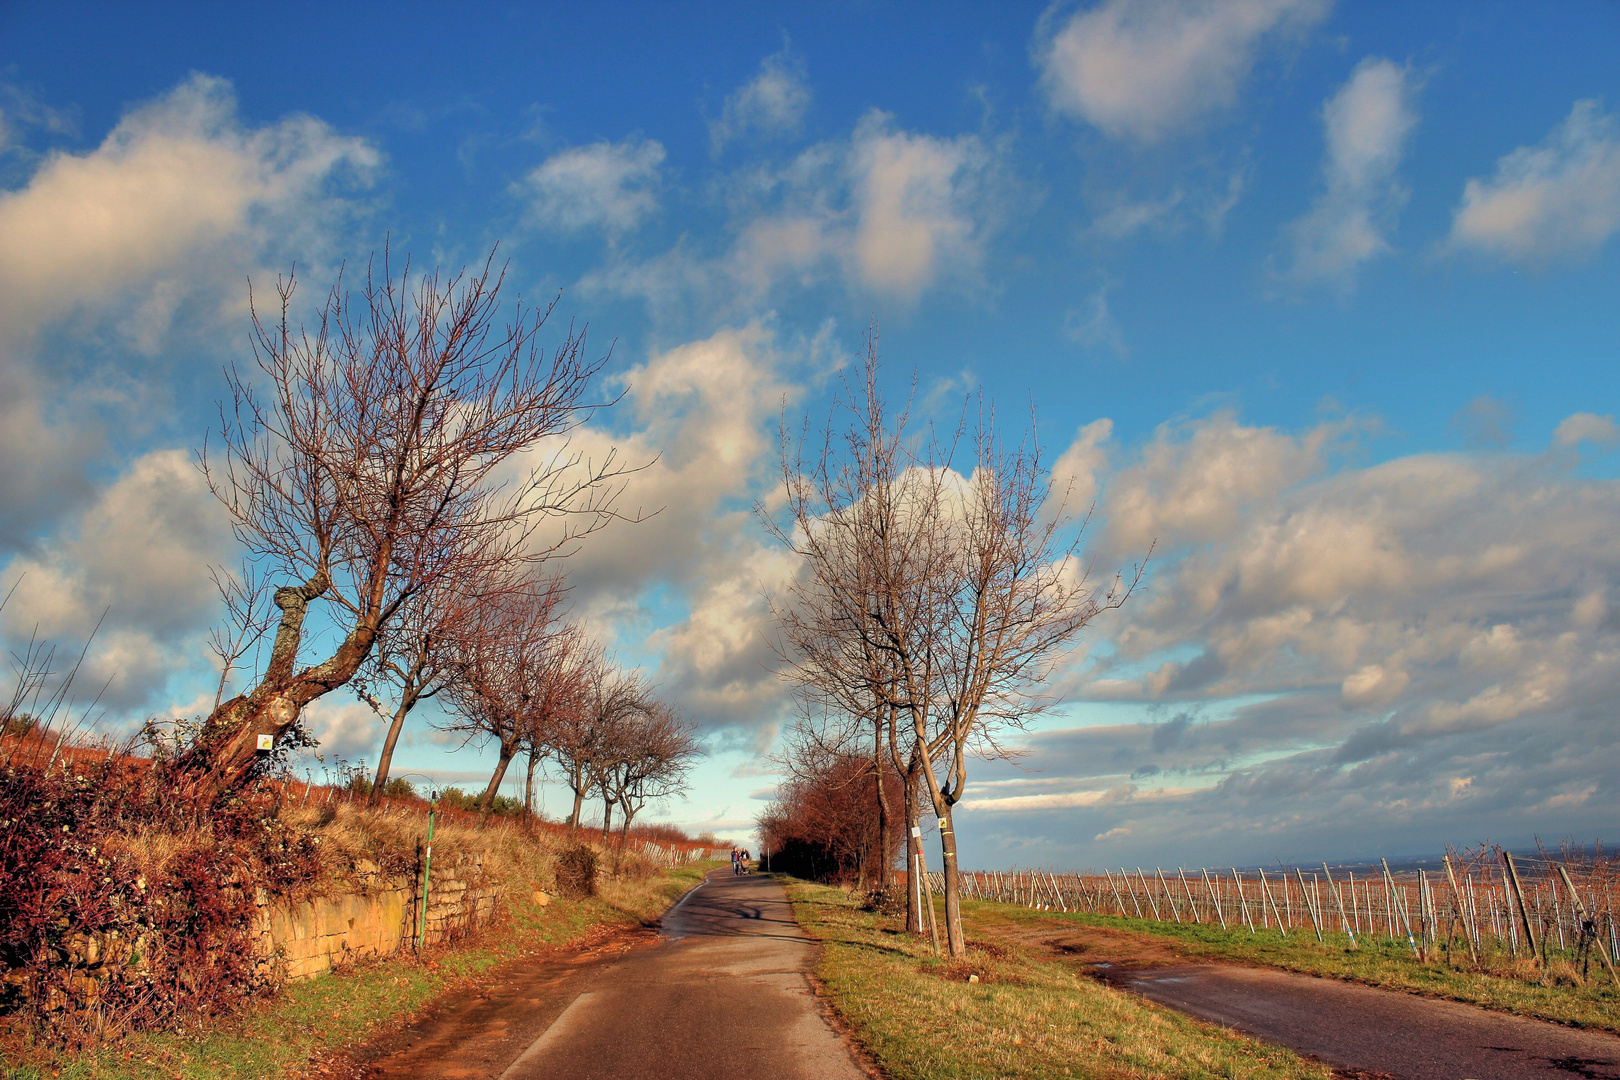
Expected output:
(123, 908)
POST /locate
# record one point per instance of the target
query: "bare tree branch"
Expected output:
(369, 460)
(934, 603)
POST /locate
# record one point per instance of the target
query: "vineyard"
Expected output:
(1543, 907)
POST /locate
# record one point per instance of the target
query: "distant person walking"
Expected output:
(736, 861)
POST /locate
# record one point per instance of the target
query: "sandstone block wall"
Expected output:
(381, 918)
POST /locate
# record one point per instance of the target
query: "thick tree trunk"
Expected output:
(607, 817)
(579, 806)
(528, 782)
(387, 758)
(624, 826)
(508, 752)
(953, 883)
(227, 752)
(408, 696)
(943, 805)
(914, 913)
(884, 855)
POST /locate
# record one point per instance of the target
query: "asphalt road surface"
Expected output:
(723, 994)
(1378, 1032)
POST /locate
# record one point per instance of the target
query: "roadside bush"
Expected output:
(123, 908)
(397, 788)
(576, 872)
(453, 798)
(890, 900)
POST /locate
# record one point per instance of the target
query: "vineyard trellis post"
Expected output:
(1398, 904)
(1339, 897)
(1580, 913)
(1457, 898)
(1243, 901)
(1310, 908)
(1219, 914)
(1265, 889)
(1518, 893)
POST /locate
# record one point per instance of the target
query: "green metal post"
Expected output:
(427, 876)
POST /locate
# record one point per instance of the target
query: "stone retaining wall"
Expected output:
(381, 918)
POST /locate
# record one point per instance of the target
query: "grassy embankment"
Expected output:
(280, 1037)
(1502, 983)
(1029, 1016)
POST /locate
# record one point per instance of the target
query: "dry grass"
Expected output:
(391, 838)
(1026, 1017)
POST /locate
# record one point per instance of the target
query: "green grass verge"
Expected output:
(1503, 984)
(276, 1038)
(1027, 1017)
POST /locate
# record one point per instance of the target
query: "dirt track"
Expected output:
(1359, 1030)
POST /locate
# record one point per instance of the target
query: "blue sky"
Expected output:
(1319, 297)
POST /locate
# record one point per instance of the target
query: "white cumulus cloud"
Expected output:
(1142, 69)
(888, 211)
(125, 247)
(612, 186)
(1587, 427)
(700, 418)
(772, 104)
(1442, 591)
(177, 185)
(347, 730)
(1326, 649)
(137, 562)
(913, 195)
(1367, 124)
(1557, 200)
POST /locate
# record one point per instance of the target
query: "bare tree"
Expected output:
(562, 694)
(1010, 601)
(939, 602)
(416, 658)
(511, 654)
(656, 752)
(858, 620)
(371, 457)
(585, 743)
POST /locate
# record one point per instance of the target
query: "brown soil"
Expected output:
(1094, 945)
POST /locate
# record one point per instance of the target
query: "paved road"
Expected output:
(722, 994)
(1379, 1031)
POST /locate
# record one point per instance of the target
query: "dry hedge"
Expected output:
(122, 907)
(576, 872)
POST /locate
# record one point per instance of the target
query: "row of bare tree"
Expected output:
(932, 605)
(828, 821)
(406, 464)
(513, 672)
